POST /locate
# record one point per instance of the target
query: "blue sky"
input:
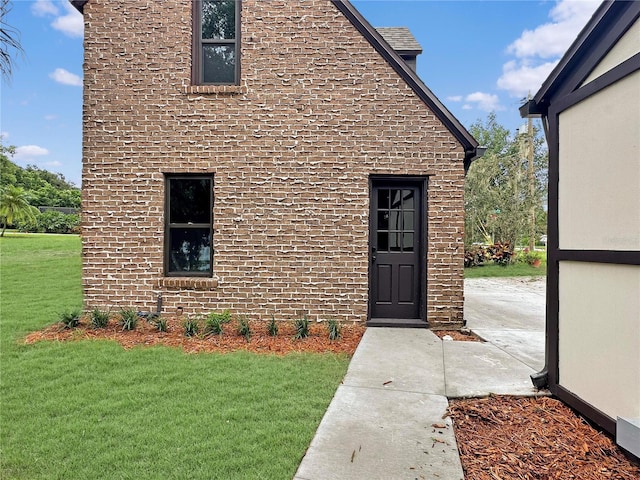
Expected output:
(479, 56)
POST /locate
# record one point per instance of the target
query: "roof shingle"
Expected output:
(400, 39)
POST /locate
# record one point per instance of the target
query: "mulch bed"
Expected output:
(458, 336)
(145, 334)
(533, 438)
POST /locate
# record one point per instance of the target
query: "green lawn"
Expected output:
(514, 270)
(91, 410)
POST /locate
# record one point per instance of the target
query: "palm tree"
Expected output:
(9, 41)
(14, 206)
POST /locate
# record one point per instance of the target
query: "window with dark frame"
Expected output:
(188, 225)
(216, 58)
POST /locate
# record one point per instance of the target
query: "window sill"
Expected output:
(216, 89)
(189, 283)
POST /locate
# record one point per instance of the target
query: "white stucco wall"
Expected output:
(626, 48)
(599, 165)
(599, 209)
(599, 335)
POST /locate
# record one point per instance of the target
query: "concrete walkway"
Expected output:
(388, 418)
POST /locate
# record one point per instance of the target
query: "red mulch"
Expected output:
(533, 438)
(458, 336)
(146, 334)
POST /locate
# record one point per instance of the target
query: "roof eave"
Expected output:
(79, 4)
(415, 53)
(417, 85)
(532, 109)
(538, 106)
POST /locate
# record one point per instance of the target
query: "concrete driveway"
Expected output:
(510, 314)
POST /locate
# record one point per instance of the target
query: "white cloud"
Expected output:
(70, 22)
(455, 98)
(28, 152)
(4, 135)
(43, 7)
(50, 117)
(487, 102)
(64, 77)
(35, 155)
(552, 39)
(520, 78)
(537, 51)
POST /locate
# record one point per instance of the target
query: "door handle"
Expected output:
(373, 254)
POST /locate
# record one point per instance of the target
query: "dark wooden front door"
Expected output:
(395, 238)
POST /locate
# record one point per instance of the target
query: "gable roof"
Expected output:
(400, 39)
(607, 25)
(470, 145)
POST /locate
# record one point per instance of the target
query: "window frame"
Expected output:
(197, 68)
(168, 226)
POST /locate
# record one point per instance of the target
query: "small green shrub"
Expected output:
(302, 328)
(191, 326)
(128, 319)
(531, 257)
(334, 329)
(272, 327)
(244, 328)
(70, 318)
(99, 318)
(223, 317)
(160, 323)
(213, 324)
(51, 222)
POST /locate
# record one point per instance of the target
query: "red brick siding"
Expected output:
(292, 148)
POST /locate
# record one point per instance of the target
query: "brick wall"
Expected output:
(292, 149)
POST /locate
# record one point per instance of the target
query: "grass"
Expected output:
(513, 270)
(90, 409)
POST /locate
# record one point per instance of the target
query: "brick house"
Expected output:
(273, 158)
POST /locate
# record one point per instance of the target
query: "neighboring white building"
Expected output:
(590, 108)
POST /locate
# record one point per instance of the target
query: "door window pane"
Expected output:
(383, 198)
(396, 197)
(407, 199)
(219, 63)
(408, 221)
(383, 220)
(395, 220)
(407, 242)
(190, 250)
(383, 242)
(394, 242)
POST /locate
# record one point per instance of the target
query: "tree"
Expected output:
(42, 188)
(14, 207)
(9, 41)
(8, 169)
(498, 197)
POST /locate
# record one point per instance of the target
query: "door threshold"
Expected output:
(397, 322)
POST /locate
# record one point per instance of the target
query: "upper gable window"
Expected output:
(216, 42)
